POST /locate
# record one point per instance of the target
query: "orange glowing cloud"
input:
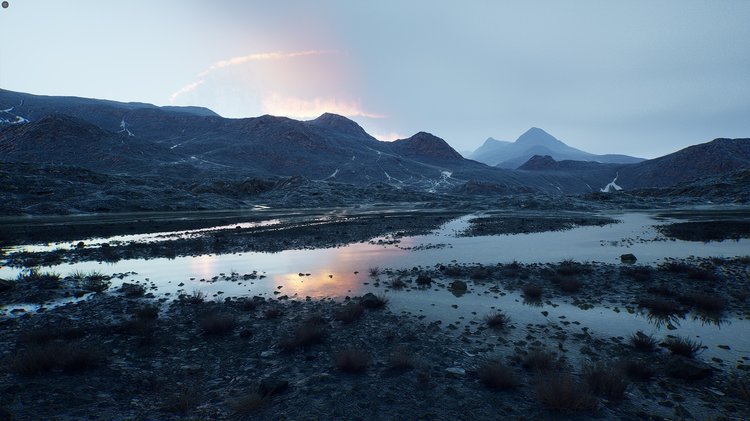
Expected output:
(276, 104)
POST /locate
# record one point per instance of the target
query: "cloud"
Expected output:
(276, 104)
(388, 137)
(234, 61)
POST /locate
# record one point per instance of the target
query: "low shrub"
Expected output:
(497, 320)
(679, 345)
(570, 285)
(532, 291)
(217, 324)
(642, 342)
(560, 392)
(606, 380)
(351, 360)
(495, 375)
(538, 360)
(349, 313)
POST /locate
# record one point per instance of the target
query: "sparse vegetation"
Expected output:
(660, 306)
(606, 380)
(374, 271)
(740, 387)
(147, 312)
(638, 273)
(351, 360)
(638, 370)
(217, 324)
(44, 280)
(705, 301)
(497, 320)
(373, 302)
(560, 392)
(304, 336)
(532, 291)
(644, 343)
(197, 297)
(401, 359)
(679, 345)
(272, 313)
(94, 281)
(349, 313)
(496, 375)
(571, 268)
(423, 280)
(538, 360)
(570, 285)
(398, 284)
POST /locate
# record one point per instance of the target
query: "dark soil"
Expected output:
(533, 222)
(707, 230)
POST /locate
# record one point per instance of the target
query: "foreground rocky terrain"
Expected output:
(122, 354)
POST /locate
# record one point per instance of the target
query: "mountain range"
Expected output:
(536, 141)
(194, 144)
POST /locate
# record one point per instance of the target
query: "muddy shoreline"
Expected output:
(261, 358)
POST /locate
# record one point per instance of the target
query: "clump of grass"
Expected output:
(496, 375)
(683, 346)
(351, 360)
(659, 306)
(642, 342)
(248, 403)
(570, 285)
(560, 392)
(197, 297)
(95, 281)
(638, 273)
(423, 280)
(349, 313)
(481, 273)
(45, 280)
(147, 312)
(740, 387)
(401, 359)
(570, 268)
(497, 320)
(700, 274)
(532, 291)
(398, 284)
(247, 304)
(675, 267)
(638, 370)
(217, 324)
(272, 313)
(183, 401)
(704, 301)
(606, 380)
(374, 271)
(538, 360)
(304, 336)
(373, 302)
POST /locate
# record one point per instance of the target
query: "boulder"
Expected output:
(628, 258)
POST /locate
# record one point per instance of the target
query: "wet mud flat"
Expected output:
(707, 225)
(495, 223)
(304, 231)
(122, 354)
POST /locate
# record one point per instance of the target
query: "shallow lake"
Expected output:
(332, 274)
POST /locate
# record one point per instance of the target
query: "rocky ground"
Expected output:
(122, 354)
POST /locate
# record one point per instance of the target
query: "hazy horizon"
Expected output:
(637, 78)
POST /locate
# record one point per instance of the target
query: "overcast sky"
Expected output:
(643, 78)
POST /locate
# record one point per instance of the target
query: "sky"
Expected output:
(643, 78)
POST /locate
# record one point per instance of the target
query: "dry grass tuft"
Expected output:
(496, 375)
(351, 360)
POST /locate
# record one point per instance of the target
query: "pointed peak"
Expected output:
(537, 136)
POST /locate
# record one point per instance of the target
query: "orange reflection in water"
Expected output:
(321, 284)
(203, 266)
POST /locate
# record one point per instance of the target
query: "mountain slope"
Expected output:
(142, 139)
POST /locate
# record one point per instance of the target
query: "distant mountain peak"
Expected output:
(537, 136)
(340, 124)
(427, 144)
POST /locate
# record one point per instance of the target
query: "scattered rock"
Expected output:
(687, 369)
(628, 258)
